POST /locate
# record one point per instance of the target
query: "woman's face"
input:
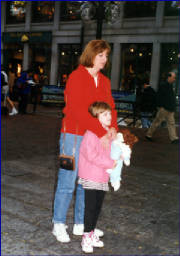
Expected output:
(100, 60)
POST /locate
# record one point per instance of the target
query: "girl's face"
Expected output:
(105, 118)
(100, 60)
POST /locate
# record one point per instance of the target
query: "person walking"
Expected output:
(166, 102)
(147, 104)
(24, 90)
(85, 85)
(5, 92)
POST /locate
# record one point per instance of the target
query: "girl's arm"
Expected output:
(92, 151)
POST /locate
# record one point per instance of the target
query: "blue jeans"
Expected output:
(67, 184)
(146, 119)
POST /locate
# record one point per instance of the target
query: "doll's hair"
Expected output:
(129, 138)
(98, 107)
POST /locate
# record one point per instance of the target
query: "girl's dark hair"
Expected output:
(98, 107)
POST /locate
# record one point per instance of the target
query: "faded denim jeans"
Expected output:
(67, 184)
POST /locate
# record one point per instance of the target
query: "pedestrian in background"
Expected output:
(85, 85)
(166, 102)
(147, 104)
(5, 92)
(24, 90)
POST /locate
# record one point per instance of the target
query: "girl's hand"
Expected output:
(105, 140)
(112, 133)
(115, 163)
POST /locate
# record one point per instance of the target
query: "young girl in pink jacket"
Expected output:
(94, 160)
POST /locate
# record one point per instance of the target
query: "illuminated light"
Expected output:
(171, 58)
(132, 50)
(174, 52)
(24, 38)
(18, 69)
(63, 53)
(140, 54)
(20, 50)
(149, 54)
(75, 53)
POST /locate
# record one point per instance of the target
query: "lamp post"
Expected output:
(108, 10)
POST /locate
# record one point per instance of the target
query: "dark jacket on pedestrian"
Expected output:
(166, 97)
(148, 100)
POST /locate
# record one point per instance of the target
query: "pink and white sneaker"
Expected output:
(86, 243)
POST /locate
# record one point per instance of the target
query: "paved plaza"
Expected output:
(142, 218)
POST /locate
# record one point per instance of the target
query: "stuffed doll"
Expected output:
(121, 152)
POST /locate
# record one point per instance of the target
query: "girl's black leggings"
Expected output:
(93, 204)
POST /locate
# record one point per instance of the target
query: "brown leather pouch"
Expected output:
(67, 162)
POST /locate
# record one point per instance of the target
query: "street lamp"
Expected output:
(108, 10)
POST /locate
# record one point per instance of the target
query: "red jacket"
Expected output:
(79, 93)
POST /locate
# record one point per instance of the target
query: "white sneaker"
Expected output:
(95, 241)
(78, 229)
(98, 232)
(59, 231)
(14, 112)
(86, 243)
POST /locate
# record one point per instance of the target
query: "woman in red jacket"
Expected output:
(85, 85)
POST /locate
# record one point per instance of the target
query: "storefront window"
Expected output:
(136, 65)
(172, 8)
(68, 61)
(133, 9)
(13, 57)
(42, 11)
(70, 10)
(40, 55)
(170, 62)
(15, 12)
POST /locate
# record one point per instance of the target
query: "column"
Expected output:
(155, 65)
(56, 15)
(121, 14)
(27, 29)
(116, 66)
(26, 56)
(160, 13)
(54, 63)
(3, 19)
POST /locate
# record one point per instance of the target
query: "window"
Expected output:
(15, 12)
(13, 57)
(172, 8)
(40, 55)
(42, 11)
(136, 65)
(70, 10)
(170, 61)
(133, 9)
(68, 61)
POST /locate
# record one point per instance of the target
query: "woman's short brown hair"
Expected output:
(98, 107)
(93, 48)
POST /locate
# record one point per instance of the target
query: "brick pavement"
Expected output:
(142, 218)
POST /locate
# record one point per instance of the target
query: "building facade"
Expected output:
(49, 36)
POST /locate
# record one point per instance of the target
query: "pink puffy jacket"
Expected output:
(94, 160)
